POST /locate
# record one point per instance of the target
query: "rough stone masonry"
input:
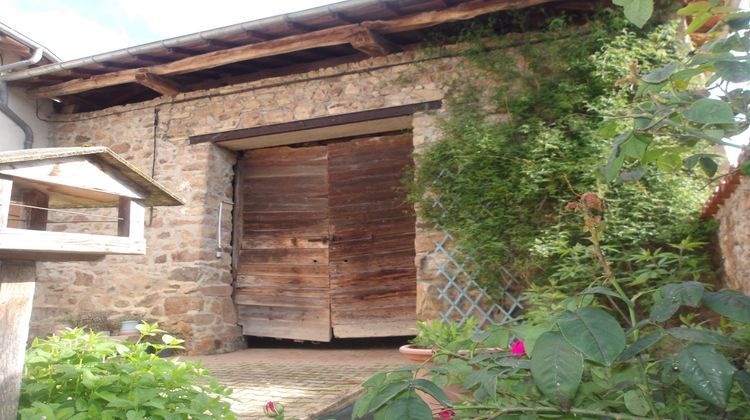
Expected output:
(180, 282)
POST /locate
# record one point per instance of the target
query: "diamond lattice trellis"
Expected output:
(462, 295)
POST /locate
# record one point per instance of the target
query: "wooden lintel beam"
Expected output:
(373, 44)
(157, 83)
(322, 38)
(320, 122)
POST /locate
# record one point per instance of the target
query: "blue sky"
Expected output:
(79, 28)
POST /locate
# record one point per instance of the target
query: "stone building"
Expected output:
(729, 205)
(286, 138)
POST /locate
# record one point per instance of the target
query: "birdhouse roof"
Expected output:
(155, 193)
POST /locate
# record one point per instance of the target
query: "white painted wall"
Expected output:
(11, 136)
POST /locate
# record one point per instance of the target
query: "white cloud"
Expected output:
(65, 32)
(100, 27)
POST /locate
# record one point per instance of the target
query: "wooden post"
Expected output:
(36, 219)
(16, 298)
(5, 186)
(132, 216)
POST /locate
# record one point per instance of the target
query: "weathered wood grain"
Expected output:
(16, 297)
(282, 285)
(373, 278)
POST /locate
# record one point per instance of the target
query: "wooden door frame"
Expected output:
(359, 124)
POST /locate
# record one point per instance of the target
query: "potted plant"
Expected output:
(435, 334)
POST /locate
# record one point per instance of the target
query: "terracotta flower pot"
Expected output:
(422, 356)
(416, 355)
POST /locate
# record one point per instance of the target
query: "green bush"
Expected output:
(86, 375)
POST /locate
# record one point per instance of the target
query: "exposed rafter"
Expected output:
(322, 38)
(157, 83)
(373, 44)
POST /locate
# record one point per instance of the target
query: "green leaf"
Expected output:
(458, 367)
(594, 332)
(710, 111)
(693, 8)
(636, 403)
(729, 303)
(742, 379)
(605, 291)
(362, 406)
(733, 71)
(376, 380)
(635, 147)
(663, 310)
(408, 407)
(387, 393)
(698, 21)
(434, 390)
(670, 370)
(701, 336)
(709, 166)
(687, 293)
(557, 368)
(706, 372)
(660, 74)
(616, 159)
(641, 344)
(529, 334)
(637, 12)
(738, 21)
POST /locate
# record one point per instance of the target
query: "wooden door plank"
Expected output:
(371, 260)
(283, 282)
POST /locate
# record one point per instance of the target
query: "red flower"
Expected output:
(571, 205)
(446, 414)
(518, 348)
(273, 410)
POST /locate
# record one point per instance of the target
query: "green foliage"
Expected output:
(85, 375)
(524, 130)
(691, 104)
(584, 363)
(435, 333)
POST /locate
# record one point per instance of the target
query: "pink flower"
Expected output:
(592, 201)
(518, 348)
(446, 414)
(273, 410)
(571, 205)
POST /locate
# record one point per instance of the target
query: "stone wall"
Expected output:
(180, 282)
(734, 237)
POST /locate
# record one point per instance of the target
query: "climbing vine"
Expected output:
(523, 133)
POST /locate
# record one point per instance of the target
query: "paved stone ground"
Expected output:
(307, 382)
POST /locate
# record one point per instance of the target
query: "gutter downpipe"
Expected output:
(28, 133)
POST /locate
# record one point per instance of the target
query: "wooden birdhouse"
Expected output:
(99, 198)
(43, 193)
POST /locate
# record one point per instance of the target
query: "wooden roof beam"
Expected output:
(323, 38)
(374, 44)
(157, 83)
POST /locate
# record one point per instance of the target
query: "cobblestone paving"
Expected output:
(305, 386)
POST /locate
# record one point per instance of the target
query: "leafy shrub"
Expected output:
(85, 375)
(582, 362)
(436, 334)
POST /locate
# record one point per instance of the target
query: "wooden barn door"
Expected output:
(373, 277)
(282, 285)
(327, 245)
